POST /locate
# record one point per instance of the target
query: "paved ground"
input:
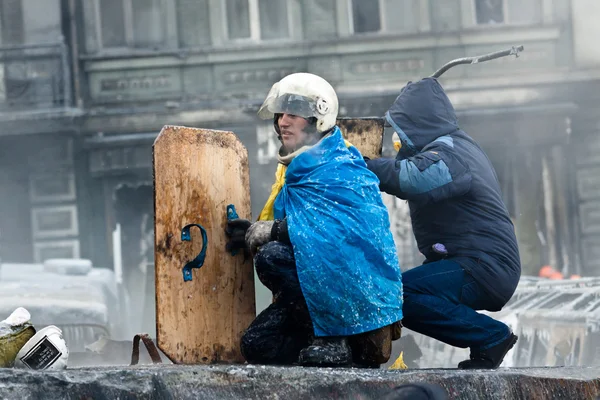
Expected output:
(258, 382)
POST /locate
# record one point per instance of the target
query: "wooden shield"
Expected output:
(197, 174)
(366, 134)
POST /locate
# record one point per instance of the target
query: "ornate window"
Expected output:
(130, 23)
(257, 19)
(498, 12)
(388, 16)
(366, 16)
(11, 22)
(489, 11)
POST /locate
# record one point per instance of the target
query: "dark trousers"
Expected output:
(284, 328)
(440, 301)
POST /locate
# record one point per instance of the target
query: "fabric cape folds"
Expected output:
(340, 231)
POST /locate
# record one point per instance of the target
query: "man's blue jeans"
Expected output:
(440, 299)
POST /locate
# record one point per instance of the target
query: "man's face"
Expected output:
(291, 128)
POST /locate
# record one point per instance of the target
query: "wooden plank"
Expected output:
(197, 173)
(366, 134)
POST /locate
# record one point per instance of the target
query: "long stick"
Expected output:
(477, 59)
(473, 60)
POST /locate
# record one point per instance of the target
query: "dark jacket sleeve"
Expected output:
(433, 175)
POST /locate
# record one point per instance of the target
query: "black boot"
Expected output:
(327, 352)
(490, 358)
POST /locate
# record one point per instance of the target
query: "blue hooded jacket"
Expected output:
(452, 190)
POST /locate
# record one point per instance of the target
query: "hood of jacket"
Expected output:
(421, 113)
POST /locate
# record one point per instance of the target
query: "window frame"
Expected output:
(21, 33)
(505, 14)
(382, 19)
(128, 21)
(346, 20)
(469, 15)
(254, 16)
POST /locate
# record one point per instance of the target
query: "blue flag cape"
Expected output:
(340, 231)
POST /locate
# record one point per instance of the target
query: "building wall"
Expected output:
(201, 65)
(146, 63)
(586, 134)
(585, 31)
(203, 70)
(39, 213)
(38, 207)
(69, 176)
(587, 164)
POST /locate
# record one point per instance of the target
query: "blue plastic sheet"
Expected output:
(340, 231)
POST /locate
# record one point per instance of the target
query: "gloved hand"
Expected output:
(236, 232)
(258, 234)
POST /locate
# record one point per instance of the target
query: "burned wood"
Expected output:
(366, 134)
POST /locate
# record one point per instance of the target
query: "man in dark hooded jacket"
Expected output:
(461, 225)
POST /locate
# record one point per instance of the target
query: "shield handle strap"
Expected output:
(232, 214)
(199, 260)
(152, 351)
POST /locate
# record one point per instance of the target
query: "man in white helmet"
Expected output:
(322, 243)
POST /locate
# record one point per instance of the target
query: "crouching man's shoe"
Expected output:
(490, 358)
(327, 352)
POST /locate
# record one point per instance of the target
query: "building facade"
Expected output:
(85, 87)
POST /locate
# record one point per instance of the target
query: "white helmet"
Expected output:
(305, 95)
(45, 350)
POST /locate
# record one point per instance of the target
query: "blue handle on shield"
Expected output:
(232, 214)
(197, 262)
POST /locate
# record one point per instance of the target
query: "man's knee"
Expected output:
(412, 280)
(409, 307)
(275, 265)
(272, 254)
(408, 286)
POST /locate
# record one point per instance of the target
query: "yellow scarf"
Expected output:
(267, 213)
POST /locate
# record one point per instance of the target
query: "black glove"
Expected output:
(280, 231)
(259, 234)
(236, 232)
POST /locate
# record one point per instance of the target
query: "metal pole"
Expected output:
(478, 59)
(548, 190)
(474, 60)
